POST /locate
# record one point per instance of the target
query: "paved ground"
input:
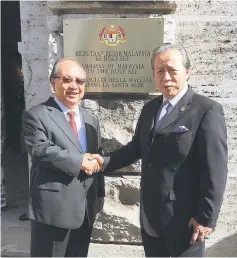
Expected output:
(16, 239)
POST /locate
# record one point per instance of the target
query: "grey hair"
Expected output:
(56, 65)
(166, 46)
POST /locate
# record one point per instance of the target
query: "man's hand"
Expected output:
(89, 165)
(99, 159)
(199, 231)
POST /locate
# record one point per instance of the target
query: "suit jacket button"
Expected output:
(149, 164)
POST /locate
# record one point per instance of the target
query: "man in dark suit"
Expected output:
(181, 139)
(64, 194)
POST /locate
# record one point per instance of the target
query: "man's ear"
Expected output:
(52, 85)
(188, 72)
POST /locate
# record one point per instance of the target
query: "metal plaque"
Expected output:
(116, 53)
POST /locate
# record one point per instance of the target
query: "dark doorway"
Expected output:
(14, 159)
(12, 77)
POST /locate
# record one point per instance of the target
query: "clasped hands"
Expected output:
(92, 163)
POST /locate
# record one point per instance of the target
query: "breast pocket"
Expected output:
(180, 143)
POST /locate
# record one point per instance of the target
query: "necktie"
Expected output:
(72, 121)
(165, 110)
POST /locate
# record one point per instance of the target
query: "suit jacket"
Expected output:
(60, 193)
(183, 173)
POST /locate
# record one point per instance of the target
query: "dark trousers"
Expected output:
(50, 241)
(156, 247)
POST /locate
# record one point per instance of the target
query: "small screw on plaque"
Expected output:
(182, 109)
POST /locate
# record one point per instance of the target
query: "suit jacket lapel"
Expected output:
(88, 126)
(181, 107)
(153, 112)
(60, 120)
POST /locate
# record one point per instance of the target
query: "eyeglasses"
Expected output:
(68, 79)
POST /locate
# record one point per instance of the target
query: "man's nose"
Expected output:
(166, 76)
(73, 84)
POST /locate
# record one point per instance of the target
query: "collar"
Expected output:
(66, 109)
(178, 97)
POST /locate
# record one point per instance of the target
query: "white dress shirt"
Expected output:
(81, 130)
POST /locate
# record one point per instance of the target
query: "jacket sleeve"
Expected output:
(213, 156)
(42, 150)
(126, 155)
(101, 179)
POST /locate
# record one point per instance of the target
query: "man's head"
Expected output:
(171, 68)
(68, 81)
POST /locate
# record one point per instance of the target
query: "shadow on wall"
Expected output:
(227, 247)
(110, 228)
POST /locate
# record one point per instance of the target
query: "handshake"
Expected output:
(92, 163)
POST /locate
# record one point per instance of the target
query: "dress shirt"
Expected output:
(81, 130)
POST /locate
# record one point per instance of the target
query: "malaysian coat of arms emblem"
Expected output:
(112, 35)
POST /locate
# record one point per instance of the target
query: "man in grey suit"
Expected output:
(64, 194)
(181, 139)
